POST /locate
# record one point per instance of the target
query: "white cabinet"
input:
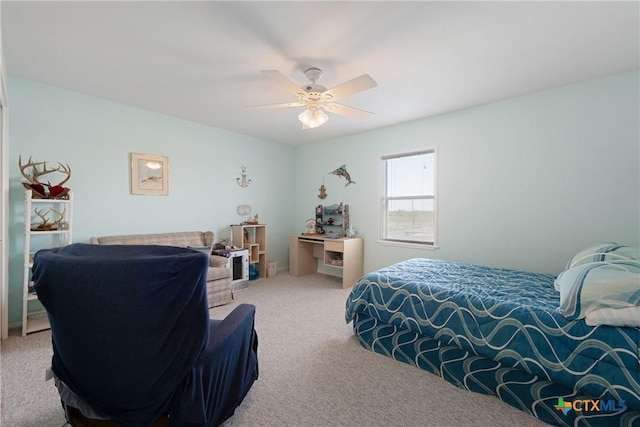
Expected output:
(254, 238)
(47, 224)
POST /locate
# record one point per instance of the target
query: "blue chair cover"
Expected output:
(132, 337)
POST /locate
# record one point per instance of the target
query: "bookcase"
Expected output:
(252, 237)
(47, 224)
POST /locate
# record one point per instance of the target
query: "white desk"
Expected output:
(344, 254)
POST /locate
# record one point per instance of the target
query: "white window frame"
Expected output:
(384, 199)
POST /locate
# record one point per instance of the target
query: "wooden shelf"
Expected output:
(254, 238)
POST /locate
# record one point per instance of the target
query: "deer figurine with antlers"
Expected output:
(41, 190)
(45, 225)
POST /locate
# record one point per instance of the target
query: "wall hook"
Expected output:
(243, 181)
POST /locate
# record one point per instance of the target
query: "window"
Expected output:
(409, 198)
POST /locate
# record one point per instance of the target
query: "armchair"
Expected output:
(133, 344)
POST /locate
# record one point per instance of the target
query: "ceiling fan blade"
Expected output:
(270, 106)
(283, 80)
(348, 111)
(356, 85)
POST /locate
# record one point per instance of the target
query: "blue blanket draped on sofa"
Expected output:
(132, 337)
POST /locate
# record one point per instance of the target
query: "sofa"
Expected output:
(219, 287)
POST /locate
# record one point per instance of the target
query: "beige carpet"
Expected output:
(313, 372)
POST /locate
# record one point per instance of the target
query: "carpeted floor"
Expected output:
(313, 372)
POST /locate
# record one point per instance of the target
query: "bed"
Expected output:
(555, 347)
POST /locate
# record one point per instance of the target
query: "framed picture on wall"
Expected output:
(149, 174)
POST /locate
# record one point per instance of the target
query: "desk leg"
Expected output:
(294, 267)
(352, 262)
(301, 259)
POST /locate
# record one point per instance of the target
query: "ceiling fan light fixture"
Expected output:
(313, 117)
(314, 97)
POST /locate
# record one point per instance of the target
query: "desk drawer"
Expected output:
(333, 246)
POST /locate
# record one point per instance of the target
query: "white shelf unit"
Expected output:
(254, 238)
(34, 317)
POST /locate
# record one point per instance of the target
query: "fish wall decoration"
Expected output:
(342, 172)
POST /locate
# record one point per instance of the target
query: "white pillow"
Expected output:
(603, 252)
(604, 284)
(629, 316)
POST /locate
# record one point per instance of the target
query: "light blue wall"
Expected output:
(95, 137)
(523, 183)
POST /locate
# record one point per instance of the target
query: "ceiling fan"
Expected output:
(318, 98)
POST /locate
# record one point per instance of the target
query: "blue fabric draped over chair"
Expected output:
(132, 337)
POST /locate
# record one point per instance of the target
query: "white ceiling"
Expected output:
(201, 61)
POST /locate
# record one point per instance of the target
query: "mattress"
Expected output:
(508, 316)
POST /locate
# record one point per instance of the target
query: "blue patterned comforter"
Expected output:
(506, 315)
